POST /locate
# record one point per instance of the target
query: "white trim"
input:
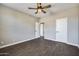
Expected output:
(65, 42)
(72, 44)
(15, 43)
(50, 39)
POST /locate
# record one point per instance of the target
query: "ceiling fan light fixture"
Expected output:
(39, 10)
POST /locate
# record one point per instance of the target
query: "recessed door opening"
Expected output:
(39, 30)
(42, 30)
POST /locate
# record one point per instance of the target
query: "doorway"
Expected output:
(39, 30)
(42, 30)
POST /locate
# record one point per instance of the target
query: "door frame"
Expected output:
(36, 30)
(64, 18)
(42, 23)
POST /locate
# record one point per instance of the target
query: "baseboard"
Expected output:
(78, 46)
(36, 38)
(65, 42)
(15, 43)
(73, 44)
(49, 39)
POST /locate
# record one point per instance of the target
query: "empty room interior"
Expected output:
(39, 29)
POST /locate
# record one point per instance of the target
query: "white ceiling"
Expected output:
(56, 7)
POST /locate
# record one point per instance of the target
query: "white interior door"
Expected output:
(61, 30)
(37, 30)
(41, 29)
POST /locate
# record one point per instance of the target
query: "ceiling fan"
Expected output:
(40, 8)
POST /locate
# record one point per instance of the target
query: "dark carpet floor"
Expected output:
(40, 47)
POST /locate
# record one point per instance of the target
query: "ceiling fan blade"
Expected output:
(43, 11)
(32, 8)
(48, 6)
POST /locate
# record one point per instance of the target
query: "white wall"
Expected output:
(50, 25)
(78, 31)
(15, 26)
(61, 29)
(73, 29)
